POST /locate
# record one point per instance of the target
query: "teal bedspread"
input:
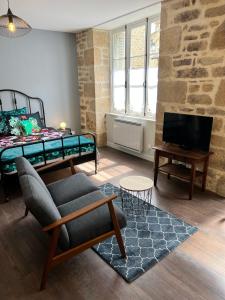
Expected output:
(53, 150)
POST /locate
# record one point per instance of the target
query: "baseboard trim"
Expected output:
(148, 157)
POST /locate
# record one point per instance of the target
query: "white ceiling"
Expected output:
(71, 15)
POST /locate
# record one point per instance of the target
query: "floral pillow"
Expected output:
(5, 114)
(25, 124)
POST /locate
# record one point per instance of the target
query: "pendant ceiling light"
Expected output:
(12, 26)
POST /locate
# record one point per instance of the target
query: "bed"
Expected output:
(44, 147)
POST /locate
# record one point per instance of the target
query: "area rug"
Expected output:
(148, 238)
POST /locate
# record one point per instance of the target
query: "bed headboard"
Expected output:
(13, 99)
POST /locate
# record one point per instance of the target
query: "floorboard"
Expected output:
(195, 270)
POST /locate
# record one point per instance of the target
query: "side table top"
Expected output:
(136, 183)
(176, 150)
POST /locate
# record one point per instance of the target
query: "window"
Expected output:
(135, 53)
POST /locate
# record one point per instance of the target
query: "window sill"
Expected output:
(148, 118)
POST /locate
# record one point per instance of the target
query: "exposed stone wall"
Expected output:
(93, 78)
(192, 71)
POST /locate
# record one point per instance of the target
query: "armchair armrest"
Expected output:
(80, 212)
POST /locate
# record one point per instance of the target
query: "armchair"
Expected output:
(75, 213)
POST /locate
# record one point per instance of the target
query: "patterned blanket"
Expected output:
(37, 152)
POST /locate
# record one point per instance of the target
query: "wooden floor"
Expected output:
(195, 270)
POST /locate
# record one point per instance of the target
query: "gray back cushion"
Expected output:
(24, 167)
(41, 205)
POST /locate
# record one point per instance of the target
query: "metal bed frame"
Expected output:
(81, 157)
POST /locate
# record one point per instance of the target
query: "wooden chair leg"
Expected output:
(117, 230)
(51, 253)
(72, 168)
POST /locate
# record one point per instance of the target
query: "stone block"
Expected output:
(182, 62)
(204, 35)
(215, 11)
(200, 110)
(91, 121)
(102, 73)
(220, 95)
(217, 124)
(220, 186)
(196, 28)
(89, 56)
(214, 23)
(218, 141)
(212, 111)
(170, 40)
(209, 1)
(101, 38)
(207, 87)
(199, 99)
(163, 18)
(97, 56)
(180, 4)
(192, 73)
(210, 60)
(172, 91)
(187, 16)
(218, 72)
(89, 89)
(190, 37)
(194, 88)
(186, 109)
(101, 139)
(218, 38)
(197, 46)
(103, 105)
(165, 66)
(158, 138)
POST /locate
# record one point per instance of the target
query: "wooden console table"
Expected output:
(192, 158)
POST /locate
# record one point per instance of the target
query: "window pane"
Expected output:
(154, 37)
(119, 99)
(152, 100)
(118, 41)
(137, 70)
(119, 72)
(153, 71)
(138, 41)
(152, 85)
(136, 103)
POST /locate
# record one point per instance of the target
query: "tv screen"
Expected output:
(190, 132)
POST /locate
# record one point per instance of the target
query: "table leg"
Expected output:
(192, 180)
(156, 167)
(205, 171)
(169, 162)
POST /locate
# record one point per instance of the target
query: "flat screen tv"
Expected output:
(187, 131)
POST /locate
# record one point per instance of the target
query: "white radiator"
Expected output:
(128, 134)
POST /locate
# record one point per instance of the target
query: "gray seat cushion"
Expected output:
(92, 224)
(70, 188)
(24, 167)
(42, 206)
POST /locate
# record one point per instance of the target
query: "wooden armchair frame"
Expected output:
(54, 230)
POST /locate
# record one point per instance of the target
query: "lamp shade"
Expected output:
(13, 26)
(62, 125)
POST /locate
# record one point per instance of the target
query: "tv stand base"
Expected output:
(190, 157)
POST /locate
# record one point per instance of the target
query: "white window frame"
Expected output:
(127, 28)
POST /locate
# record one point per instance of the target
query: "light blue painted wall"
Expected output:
(43, 64)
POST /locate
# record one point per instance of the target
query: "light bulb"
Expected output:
(63, 125)
(11, 27)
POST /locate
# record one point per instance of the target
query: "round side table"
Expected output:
(136, 192)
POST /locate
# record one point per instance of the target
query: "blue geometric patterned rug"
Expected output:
(148, 238)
